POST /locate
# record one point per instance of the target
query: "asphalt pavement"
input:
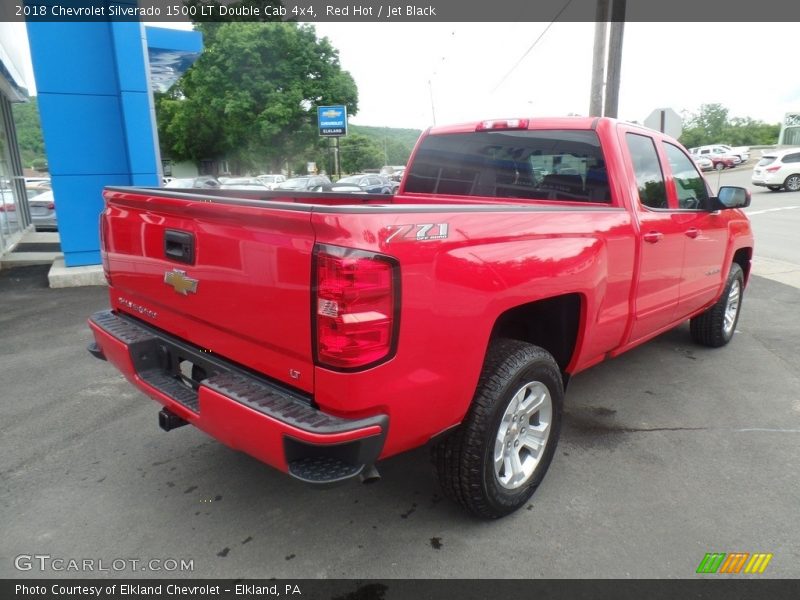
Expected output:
(667, 453)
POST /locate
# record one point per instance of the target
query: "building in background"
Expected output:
(12, 184)
(790, 130)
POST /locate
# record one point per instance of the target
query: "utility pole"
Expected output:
(336, 158)
(433, 110)
(614, 58)
(599, 60)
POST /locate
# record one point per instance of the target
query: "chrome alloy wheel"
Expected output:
(522, 435)
(732, 307)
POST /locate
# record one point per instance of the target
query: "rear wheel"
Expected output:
(716, 326)
(792, 183)
(495, 460)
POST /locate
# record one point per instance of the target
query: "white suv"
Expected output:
(779, 169)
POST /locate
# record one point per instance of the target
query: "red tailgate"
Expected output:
(232, 278)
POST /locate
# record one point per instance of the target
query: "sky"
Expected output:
(417, 74)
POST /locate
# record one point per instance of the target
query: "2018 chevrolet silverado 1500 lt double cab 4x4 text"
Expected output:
(321, 332)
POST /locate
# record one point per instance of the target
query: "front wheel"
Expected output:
(716, 326)
(495, 460)
(719, 166)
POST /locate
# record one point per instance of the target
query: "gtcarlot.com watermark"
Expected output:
(56, 564)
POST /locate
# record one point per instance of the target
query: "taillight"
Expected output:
(8, 207)
(103, 247)
(356, 307)
(51, 206)
(773, 169)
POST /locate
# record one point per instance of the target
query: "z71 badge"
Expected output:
(418, 233)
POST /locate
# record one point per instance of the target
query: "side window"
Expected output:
(791, 158)
(649, 178)
(689, 185)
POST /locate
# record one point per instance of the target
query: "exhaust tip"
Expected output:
(370, 475)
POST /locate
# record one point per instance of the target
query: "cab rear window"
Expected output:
(563, 165)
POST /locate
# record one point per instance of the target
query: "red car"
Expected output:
(321, 333)
(721, 162)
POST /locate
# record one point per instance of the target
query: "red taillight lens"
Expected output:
(8, 207)
(51, 206)
(355, 307)
(773, 169)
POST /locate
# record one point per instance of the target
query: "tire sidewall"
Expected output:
(506, 500)
(735, 274)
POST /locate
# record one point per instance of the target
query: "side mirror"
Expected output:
(730, 196)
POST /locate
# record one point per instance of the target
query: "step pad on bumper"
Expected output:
(323, 469)
(270, 401)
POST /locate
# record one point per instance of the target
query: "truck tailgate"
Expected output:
(233, 279)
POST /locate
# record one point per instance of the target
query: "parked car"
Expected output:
(41, 203)
(778, 169)
(738, 154)
(722, 162)
(244, 183)
(369, 184)
(703, 162)
(271, 180)
(308, 183)
(204, 181)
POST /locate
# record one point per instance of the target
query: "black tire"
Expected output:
(792, 183)
(712, 328)
(774, 188)
(719, 166)
(465, 460)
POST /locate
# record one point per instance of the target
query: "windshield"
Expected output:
(540, 164)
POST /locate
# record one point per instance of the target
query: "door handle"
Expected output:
(693, 232)
(651, 237)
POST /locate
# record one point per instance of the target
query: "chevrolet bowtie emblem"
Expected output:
(180, 282)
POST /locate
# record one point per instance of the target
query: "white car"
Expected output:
(703, 163)
(779, 169)
(271, 181)
(720, 150)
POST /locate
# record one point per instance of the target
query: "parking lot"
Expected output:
(667, 453)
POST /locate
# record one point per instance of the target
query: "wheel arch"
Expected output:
(742, 257)
(553, 324)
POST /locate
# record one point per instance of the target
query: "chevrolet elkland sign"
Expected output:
(332, 120)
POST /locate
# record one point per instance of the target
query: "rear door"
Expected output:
(661, 240)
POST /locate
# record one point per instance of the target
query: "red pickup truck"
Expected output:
(322, 332)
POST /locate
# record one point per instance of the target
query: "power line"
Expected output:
(533, 45)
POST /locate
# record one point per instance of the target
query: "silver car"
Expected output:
(42, 206)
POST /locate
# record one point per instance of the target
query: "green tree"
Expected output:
(29, 132)
(712, 125)
(357, 152)
(252, 95)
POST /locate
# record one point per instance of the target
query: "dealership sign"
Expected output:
(332, 120)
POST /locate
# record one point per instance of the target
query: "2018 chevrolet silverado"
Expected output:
(322, 332)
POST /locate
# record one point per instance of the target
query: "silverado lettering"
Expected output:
(549, 246)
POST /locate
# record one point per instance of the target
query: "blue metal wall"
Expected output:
(97, 116)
